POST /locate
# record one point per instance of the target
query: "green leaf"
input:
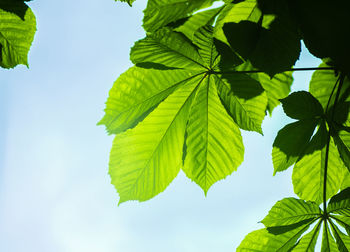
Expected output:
(214, 143)
(328, 242)
(276, 88)
(217, 55)
(136, 93)
(322, 83)
(324, 29)
(343, 241)
(244, 99)
(245, 10)
(290, 143)
(16, 33)
(340, 203)
(167, 48)
(343, 221)
(261, 240)
(145, 159)
(159, 13)
(342, 141)
(308, 172)
(308, 242)
(291, 211)
(198, 20)
(346, 181)
(279, 44)
(302, 105)
(128, 1)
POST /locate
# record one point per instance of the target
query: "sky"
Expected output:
(55, 192)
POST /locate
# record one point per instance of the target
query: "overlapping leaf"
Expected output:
(286, 222)
(264, 241)
(17, 29)
(177, 89)
(291, 211)
(292, 140)
(198, 20)
(159, 13)
(257, 37)
(308, 172)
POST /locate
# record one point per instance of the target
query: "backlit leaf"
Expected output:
(214, 143)
(290, 211)
(159, 13)
(308, 172)
(308, 242)
(263, 241)
(16, 33)
(145, 159)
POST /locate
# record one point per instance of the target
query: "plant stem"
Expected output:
(341, 81)
(259, 71)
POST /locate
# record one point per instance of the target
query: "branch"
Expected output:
(259, 71)
(341, 81)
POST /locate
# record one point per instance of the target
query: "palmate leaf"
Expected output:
(174, 92)
(159, 13)
(17, 29)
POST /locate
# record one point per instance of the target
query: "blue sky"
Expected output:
(55, 193)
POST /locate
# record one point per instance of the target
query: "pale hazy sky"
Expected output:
(55, 193)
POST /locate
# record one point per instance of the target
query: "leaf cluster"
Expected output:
(202, 75)
(183, 104)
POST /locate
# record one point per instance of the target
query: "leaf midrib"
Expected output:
(157, 146)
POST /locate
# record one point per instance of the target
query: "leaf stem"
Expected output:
(341, 81)
(259, 71)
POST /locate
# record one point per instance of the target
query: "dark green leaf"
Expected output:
(290, 143)
(324, 28)
(302, 105)
(271, 50)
